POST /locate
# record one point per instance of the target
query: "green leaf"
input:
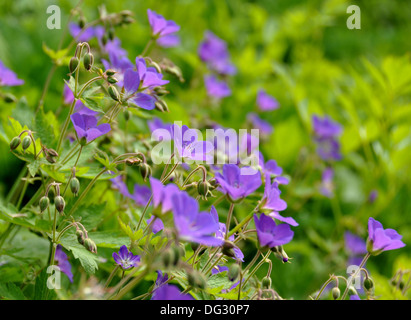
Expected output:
(46, 127)
(58, 57)
(41, 291)
(10, 291)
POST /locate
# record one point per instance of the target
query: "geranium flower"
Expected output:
(170, 292)
(380, 239)
(131, 94)
(270, 234)
(326, 132)
(266, 102)
(265, 127)
(119, 63)
(8, 77)
(213, 51)
(235, 184)
(216, 88)
(192, 225)
(157, 225)
(125, 258)
(86, 127)
(163, 30)
(162, 194)
(85, 36)
(62, 262)
(327, 185)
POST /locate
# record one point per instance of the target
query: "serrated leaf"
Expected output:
(58, 57)
(41, 291)
(10, 291)
(87, 259)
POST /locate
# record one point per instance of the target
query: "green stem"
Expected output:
(148, 47)
(355, 275)
(227, 224)
(130, 285)
(23, 191)
(71, 175)
(242, 223)
(257, 267)
(54, 244)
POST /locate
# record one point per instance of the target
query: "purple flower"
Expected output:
(86, 127)
(216, 88)
(163, 30)
(131, 85)
(354, 244)
(170, 292)
(258, 123)
(192, 225)
(125, 258)
(266, 102)
(160, 131)
(213, 51)
(8, 77)
(162, 194)
(68, 95)
(76, 32)
(355, 297)
(380, 239)
(238, 254)
(157, 225)
(272, 235)
(327, 185)
(141, 194)
(187, 146)
(119, 63)
(272, 203)
(271, 167)
(235, 184)
(326, 132)
(149, 76)
(63, 263)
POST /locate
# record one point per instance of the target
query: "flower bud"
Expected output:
(44, 203)
(228, 249)
(59, 203)
(110, 33)
(73, 65)
(368, 284)
(90, 245)
(352, 291)
(75, 186)
(104, 39)
(8, 98)
(88, 61)
(168, 257)
(145, 171)
(266, 283)
(112, 80)
(196, 280)
(233, 272)
(203, 188)
(113, 93)
(161, 106)
(177, 251)
(26, 142)
(336, 293)
(280, 253)
(80, 236)
(82, 22)
(14, 143)
(127, 115)
(160, 91)
(110, 72)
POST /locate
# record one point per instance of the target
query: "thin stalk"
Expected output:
(257, 267)
(355, 275)
(227, 224)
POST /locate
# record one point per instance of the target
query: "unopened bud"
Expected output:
(8, 98)
(104, 39)
(228, 249)
(88, 60)
(44, 203)
(196, 280)
(110, 33)
(90, 245)
(266, 283)
(75, 186)
(145, 171)
(336, 293)
(177, 254)
(73, 65)
(160, 91)
(168, 257)
(127, 115)
(80, 236)
(82, 22)
(203, 188)
(15, 142)
(113, 93)
(112, 80)
(59, 203)
(233, 272)
(26, 142)
(110, 72)
(352, 291)
(368, 284)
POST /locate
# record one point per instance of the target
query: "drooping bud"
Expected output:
(161, 106)
(104, 39)
(160, 91)
(90, 245)
(127, 115)
(228, 249)
(336, 293)
(51, 155)
(266, 283)
(8, 98)
(145, 171)
(80, 236)
(26, 142)
(233, 272)
(14, 143)
(352, 291)
(110, 33)
(75, 186)
(82, 22)
(88, 61)
(44, 203)
(280, 253)
(368, 284)
(168, 257)
(113, 93)
(203, 188)
(112, 80)
(59, 203)
(73, 65)
(196, 280)
(110, 72)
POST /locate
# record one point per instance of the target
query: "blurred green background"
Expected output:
(302, 53)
